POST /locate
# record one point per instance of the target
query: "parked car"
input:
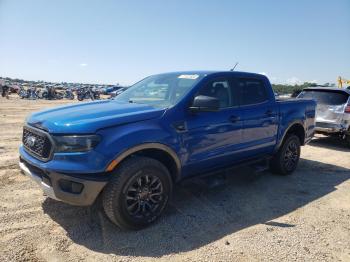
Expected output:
(32, 93)
(333, 110)
(68, 94)
(5, 90)
(118, 92)
(22, 93)
(109, 89)
(131, 150)
(88, 93)
(14, 89)
(50, 92)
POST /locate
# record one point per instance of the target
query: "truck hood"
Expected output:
(88, 117)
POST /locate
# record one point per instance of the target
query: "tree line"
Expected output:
(290, 89)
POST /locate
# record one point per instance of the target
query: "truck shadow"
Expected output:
(335, 143)
(198, 216)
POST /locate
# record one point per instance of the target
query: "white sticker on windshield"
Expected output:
(188, 76)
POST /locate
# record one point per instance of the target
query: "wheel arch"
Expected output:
(158, 151)
(296, 128)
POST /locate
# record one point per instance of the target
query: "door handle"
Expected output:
(234, 119)
(180, 126)
(269, 112)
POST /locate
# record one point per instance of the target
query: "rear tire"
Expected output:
(138, 193)
(286, 159)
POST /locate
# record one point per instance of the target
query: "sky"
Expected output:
(123, 41)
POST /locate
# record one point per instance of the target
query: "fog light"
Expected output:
(70, 186)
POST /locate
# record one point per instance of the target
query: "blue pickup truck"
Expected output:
(131, 150)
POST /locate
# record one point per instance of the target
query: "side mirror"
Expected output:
(205, 103)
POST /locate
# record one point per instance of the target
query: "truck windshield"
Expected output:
(326, 97)
(161, 91)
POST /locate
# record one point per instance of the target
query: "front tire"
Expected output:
(138, 193)
(286, 159)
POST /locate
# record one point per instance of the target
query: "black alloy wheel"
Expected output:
(291, 156)
(285, 161)
(138, 192)
(144, 195)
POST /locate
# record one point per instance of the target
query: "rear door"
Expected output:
(260, 117)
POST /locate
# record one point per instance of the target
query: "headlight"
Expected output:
(78, 143)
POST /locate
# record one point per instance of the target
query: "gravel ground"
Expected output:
(252, 217)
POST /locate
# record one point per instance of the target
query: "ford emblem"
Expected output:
(30, 141)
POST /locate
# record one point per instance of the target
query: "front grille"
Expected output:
(37, 142)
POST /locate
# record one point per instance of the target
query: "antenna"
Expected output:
(233, 69)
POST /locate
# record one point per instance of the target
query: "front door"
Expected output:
(212, 137)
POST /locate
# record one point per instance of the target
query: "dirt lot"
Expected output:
(253, 217)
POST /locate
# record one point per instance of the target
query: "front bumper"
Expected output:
(66, 188)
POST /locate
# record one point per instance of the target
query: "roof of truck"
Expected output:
(210, 72)
(320, 88)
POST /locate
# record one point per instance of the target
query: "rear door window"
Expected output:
(253, 91)
(325, 97)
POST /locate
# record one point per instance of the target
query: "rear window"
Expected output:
(325, 97)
